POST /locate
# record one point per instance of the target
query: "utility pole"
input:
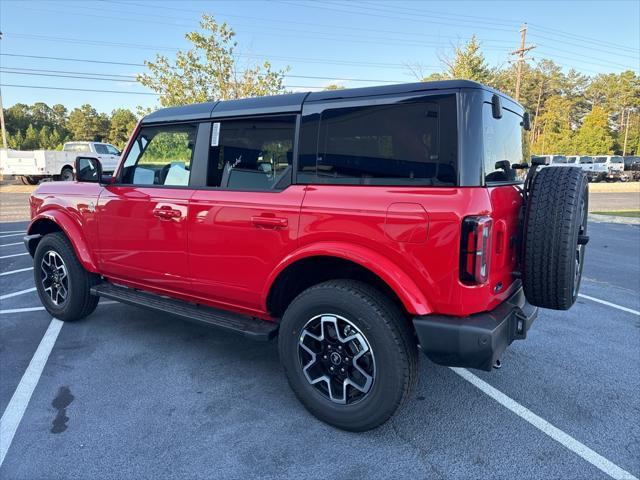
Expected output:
(520, 52)
(626, 135)
(4, 131)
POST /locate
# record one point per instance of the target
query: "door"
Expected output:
(107, 157)
(142, 219)
(245, 221)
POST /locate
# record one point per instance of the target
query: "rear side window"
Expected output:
(251, 154)
(160, 156)
(505, 143)
(397, 144)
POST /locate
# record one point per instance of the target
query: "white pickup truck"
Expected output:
(33, 166)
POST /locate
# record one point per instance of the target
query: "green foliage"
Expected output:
(123, 122)
(38, 126)
(593, 136)
(85, 123)
(209, 70)
(168, 146)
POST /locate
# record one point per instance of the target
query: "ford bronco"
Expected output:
(358, 226)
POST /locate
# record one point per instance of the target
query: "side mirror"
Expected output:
(526, 121)
(88, 169)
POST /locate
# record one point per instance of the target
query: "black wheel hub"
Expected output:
(336, 358)
(54, 277)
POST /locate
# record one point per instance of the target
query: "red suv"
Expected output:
(357, 225)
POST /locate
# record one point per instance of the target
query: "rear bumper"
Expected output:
(476, 341)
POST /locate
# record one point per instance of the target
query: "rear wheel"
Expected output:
(63, 285)
(348, 353)
(28, 180)
(555, 236)
(67, 174)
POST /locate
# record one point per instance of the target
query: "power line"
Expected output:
(287, 75)
(42, 57)
(75, 89)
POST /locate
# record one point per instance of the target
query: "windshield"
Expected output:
(600, 159)
(586, 159)
(559, 159)
(616, 160)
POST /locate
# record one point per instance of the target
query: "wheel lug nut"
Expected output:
(339, 347)
(324, 356)
(342, 370)
(331, 368)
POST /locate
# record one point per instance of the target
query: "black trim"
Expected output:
(30, 242)
(479, 340)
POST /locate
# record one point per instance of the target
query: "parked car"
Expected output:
(632, 162)
(33, 166)
(613, 166)
(358, 226)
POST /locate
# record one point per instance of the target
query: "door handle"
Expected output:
(269, 222)
(166, 213)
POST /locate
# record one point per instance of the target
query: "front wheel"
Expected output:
(348, 353)
(64, 286)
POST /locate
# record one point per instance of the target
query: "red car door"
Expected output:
(246, 221)
(142, 218)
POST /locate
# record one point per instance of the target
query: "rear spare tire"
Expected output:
(555, 235)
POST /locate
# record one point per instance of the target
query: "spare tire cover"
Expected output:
(555, 237)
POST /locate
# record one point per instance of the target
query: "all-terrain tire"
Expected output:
(555, 235)
(384, 327)
(78, 302)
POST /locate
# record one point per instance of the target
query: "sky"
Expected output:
(359, 43)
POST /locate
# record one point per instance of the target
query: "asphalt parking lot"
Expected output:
(131, 394)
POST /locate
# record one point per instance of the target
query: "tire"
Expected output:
(28, 180)
(366, 314)
(67, 174)
(55, 253)
(555, 236)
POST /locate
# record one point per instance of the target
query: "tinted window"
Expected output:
(600, 159)
(559, 159)
(77, 147)
(251, 154)
(398, 144)
(102, 149)
(586, 159)
(161, 156)
(505, 143)
(616, 160)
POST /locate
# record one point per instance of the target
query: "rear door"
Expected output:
(142, 219)
(244, 221)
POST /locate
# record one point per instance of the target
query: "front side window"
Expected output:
(505, 144)
(397, 144)
(111, 150)
(160, 156)
(251, 154)
(600, 159)
(617, 160)
(586, 159)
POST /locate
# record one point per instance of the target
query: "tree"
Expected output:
(85, 123)
(31, 139)
(467, 63)
(209, 70)
(123, 121)
(594, 136)
(555, 127)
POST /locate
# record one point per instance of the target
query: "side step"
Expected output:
(250, 327)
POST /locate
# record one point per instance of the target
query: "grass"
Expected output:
(620, 213)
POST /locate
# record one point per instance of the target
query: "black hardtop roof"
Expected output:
(292, 102)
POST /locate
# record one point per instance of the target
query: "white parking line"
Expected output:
(12, 235)
(15, 294)
(14, 231)
(18, 404)
(609, 304)
(14, 255)
(11, 244)
(11, 272)
(21, 310)
(545, 427)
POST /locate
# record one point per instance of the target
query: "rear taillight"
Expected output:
(475, 249)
